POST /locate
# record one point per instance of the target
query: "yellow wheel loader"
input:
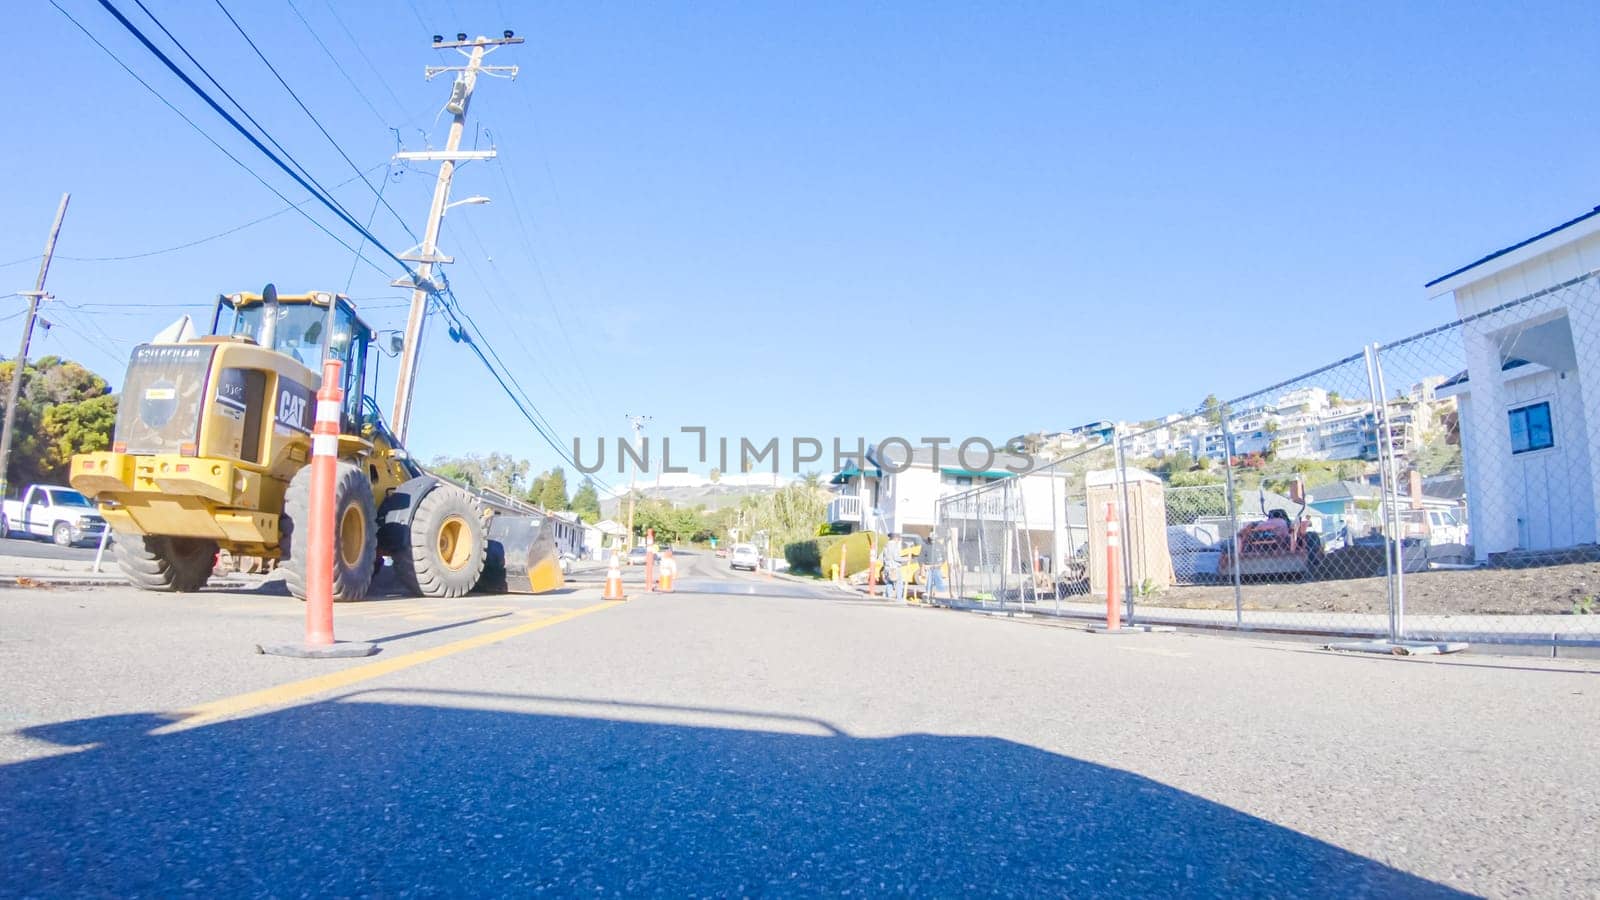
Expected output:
(212, 449)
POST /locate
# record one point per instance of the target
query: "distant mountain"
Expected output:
(692, 490)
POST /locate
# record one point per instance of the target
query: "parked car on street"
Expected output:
(637, 555)
(744, 556)
(52, 511)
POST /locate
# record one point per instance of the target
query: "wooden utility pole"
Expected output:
(633, 474)
(34, 296)
(427, 254)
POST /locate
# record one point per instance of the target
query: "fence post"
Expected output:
(1376, 394)
(983, 548)
(1233, 522)
(1114, 549)
(1391, 505)
(1005, 538)
(1055, 544)
(1123, 512)
(1031, 570)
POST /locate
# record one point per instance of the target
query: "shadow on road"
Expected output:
(417, 794)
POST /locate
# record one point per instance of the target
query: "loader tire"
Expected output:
(355, 533)
(447, 544)
(158, 563)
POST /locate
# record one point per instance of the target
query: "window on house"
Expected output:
(957, 480)
(1530, 428)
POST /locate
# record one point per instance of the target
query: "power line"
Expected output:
(312, 116)
(221, 234)
(363, 54)
(335, 60)
(511, 321)
(544, 284)
(418, 13)
(525, 405)
(209, 139)
(498, 357)
(350, 279)
(201, 93)
(474, 335)
(246, 113)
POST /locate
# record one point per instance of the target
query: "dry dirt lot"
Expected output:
(1557, 589)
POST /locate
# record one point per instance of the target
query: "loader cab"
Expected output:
(308, 328)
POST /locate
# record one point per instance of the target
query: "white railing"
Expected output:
(845, 509)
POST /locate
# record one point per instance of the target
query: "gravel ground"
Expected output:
(699, 744)
(1543, 590)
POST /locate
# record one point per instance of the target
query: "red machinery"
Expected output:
(1276, 545)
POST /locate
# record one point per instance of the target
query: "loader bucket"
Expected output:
(522, 557)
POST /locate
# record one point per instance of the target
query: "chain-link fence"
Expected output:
(1441, 487)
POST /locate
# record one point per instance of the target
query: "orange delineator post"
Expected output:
(669, 568)
(650, 559)
(320, 530)
(1113, 551)
(614, 577)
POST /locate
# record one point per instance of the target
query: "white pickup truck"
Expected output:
(52, 511)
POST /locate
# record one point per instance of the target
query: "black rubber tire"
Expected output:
(422, 566)
(61, 534)
(352, 493)
(159, 563)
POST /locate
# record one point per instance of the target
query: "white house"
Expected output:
(900, 493)
(1528, 397)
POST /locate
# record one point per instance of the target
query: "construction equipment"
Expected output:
(211, 453)
(1276, 545)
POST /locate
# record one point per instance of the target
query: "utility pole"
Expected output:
(427, 256)
(34, 296)
(633, 474)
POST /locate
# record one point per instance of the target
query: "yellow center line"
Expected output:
(286, 694)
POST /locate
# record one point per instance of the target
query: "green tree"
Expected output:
(586, 502)
(64, 409)
(553, 494)
(495, 471)
(671, 524)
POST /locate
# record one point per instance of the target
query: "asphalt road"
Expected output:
(26, 548)
(709, 743)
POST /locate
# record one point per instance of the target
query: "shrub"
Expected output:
(809, 555)
(803, 556)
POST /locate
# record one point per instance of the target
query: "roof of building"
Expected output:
(1342, 490)
(1515, 247)
(894, 457)
(1461, 378)
(1445, 487)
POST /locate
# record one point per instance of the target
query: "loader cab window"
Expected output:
(351, 338)
(296, 331)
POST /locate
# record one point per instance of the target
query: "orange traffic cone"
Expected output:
(669, 568)
(614, 578)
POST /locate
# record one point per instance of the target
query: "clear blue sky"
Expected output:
(831, 219)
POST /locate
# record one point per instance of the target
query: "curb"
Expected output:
(24, 581)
